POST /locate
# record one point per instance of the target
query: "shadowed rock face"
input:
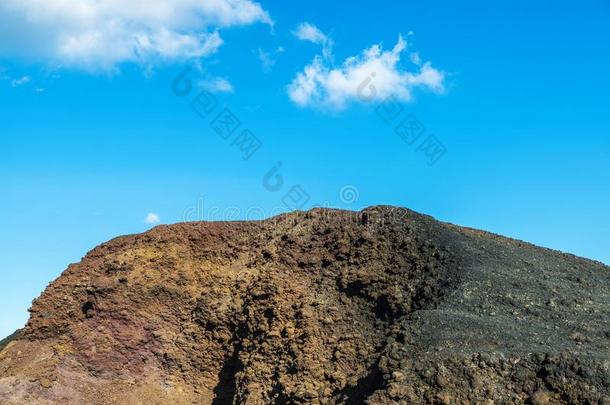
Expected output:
(382, 306)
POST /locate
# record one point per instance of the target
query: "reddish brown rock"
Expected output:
(382, 306)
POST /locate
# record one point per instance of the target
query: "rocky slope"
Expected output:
(9, 339)
(383, 306)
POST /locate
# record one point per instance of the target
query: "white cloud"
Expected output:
(100, 34)
(310, 33)
(372, 76)
(21, 81)
(217, 85)
(152, 219)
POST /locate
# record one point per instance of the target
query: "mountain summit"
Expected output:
(382, 306)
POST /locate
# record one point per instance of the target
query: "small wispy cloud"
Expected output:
(310, 33)
(152, 219)
(21, 81)
(415, 58)
(267, 59)
(217, 85)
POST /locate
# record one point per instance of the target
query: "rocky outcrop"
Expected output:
(382, 306)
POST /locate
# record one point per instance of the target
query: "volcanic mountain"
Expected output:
(382, 306)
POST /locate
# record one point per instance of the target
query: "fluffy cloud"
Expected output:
(373, 75)
(100, 34)
(152, 219)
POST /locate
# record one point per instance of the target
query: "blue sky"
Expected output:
(94, 141)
